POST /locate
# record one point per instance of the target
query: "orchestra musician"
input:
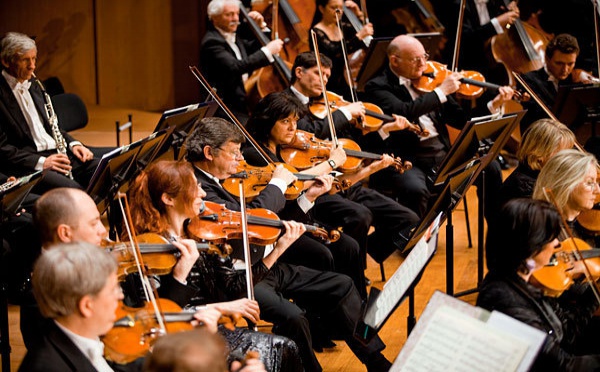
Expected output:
(527, 234)
(27, 140)
(542, 140)
(274, 124)
(559, 62)
(394, 93)
(214, 149)
(330, 41)
(227, 57)
(571, 176)
(161, 198)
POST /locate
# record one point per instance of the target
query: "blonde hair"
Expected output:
(542, 140)
(562, 173)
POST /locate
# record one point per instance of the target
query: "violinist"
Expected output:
(527, 233)
(560, 58)
(227, 57)
(161, 199)
(542, 140)
(214, 150)
(274, 123)
(572, 177)
(394, 93)
(330, 41)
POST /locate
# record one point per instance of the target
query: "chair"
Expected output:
(72, 115)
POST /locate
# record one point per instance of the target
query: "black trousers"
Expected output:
(329, 295)
(342, 257)
(357, 209)
(82, 173)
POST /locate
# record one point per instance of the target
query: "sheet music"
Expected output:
(396, 287)
(453, 341)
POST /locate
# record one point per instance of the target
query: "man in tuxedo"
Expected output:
(27, 142)
(214, 151)
(560, 58)
(227, 58)
(393, 92)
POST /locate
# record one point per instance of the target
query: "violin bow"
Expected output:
(549, 195)
(275, 20)
(533, 95)
(232, 117)
(149, 289)
(363, 8)
(325, 99)
(461, 16)
(338, 22)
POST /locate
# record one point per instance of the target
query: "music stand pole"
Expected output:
(449, 255)
(411, 319)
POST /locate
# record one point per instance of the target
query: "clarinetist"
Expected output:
(30, 137)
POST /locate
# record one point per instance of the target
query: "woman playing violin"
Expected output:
(330, 40)
(539, 143)
(273, 123)
(527, 233)
(162, 198)
(328, 295)
(571, 175)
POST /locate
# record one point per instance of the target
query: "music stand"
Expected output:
(122, 165)
(574, 104)
(11, 199)
(381, 304)
(376, 57)
(184, 119)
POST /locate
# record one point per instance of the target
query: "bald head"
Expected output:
(407, 57)
(67, 215)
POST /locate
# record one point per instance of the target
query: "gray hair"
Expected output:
(215, 7)
(15, 44)
(562, 173)
(65, 273)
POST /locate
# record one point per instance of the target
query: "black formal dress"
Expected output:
(224, 70)
(326, 295)
(58, 353)
(564, 322)
(412, 188)
(18, 152)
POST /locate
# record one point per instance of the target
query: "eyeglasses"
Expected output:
(424, 58)
(591, 185)
(236, 154)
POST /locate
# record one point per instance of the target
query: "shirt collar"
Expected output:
(13, 83)
(89, 347)
(229, 36)
(304, 99)
(404, 81)
(550, 76)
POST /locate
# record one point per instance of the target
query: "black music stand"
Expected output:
(482, 139)
(10, 204)
(576, 104)
(184, 119)
(376, 58)
(382, 304)
(120, 166)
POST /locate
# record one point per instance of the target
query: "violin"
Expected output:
(556, 277)
(473, 82)
(256, 178)
(374, 116)
(580, 76)
(306, 151)
(158, 254)
(218, 224)
(136, 329)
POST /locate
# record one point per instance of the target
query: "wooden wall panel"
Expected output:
(64, 32)
(135, 54)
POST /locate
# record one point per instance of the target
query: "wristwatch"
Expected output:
(331, 163)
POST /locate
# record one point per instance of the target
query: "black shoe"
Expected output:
(378, 363)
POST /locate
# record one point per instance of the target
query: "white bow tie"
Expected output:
(23, 86)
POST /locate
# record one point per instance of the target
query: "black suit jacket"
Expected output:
(58, 353)
(386, 92)
(18, 153)
(224, 71)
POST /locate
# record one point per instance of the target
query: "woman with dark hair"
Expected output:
(329, 39)
(162, 198)
(526, 232)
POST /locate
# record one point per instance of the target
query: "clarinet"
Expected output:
(61, 144)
